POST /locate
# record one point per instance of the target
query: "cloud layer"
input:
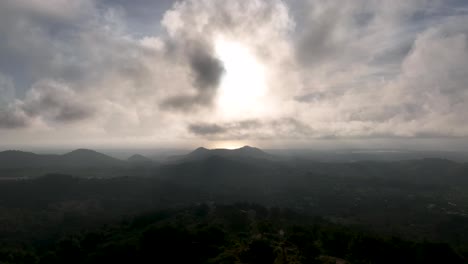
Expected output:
(114, 71)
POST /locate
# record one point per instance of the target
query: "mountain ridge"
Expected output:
(139, 159)
(11, 159)
(245, 152)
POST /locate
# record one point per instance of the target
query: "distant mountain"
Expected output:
(18, 159)
(138, 159)
(89, 158)
(81, 158)
(245, 152)
(232, 171)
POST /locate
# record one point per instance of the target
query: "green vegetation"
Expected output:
(239, 233)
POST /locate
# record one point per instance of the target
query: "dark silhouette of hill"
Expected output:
(20, 159)
(78, 158)
(139, 159)
(89, 158)
(245, 152)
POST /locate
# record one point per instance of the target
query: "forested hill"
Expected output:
(239, 233)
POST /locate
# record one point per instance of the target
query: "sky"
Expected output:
(269, 73)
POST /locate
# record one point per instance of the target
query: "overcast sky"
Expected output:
(165, 73)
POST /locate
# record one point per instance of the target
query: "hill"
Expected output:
(244, 153)
(80, 162)
(139, 159)
(89, 158)
(18, 159)
(239, 233)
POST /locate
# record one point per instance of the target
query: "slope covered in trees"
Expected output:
(239, 233)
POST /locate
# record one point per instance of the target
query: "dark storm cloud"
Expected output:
(206, 129)
(11, 119)
(253, 128)
(56, 102)
(58, 110)
(292, 127)
(51, 102)
(207, 71)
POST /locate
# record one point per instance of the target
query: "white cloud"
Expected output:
(354, 69)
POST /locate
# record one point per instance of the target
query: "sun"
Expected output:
(244, 82)
(227, 144)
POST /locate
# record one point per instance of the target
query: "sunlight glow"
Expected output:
(227, 145)
(244, 82)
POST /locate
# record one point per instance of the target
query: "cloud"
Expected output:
(275, 129)
(434, 78)
(207, 71)
(12, 119)
(56, 102)
(49, 101)
(316, 97)
(7, 90)
(206, 129)
(103, 69)
(384, 71)
(10, 116)
(193, 26)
